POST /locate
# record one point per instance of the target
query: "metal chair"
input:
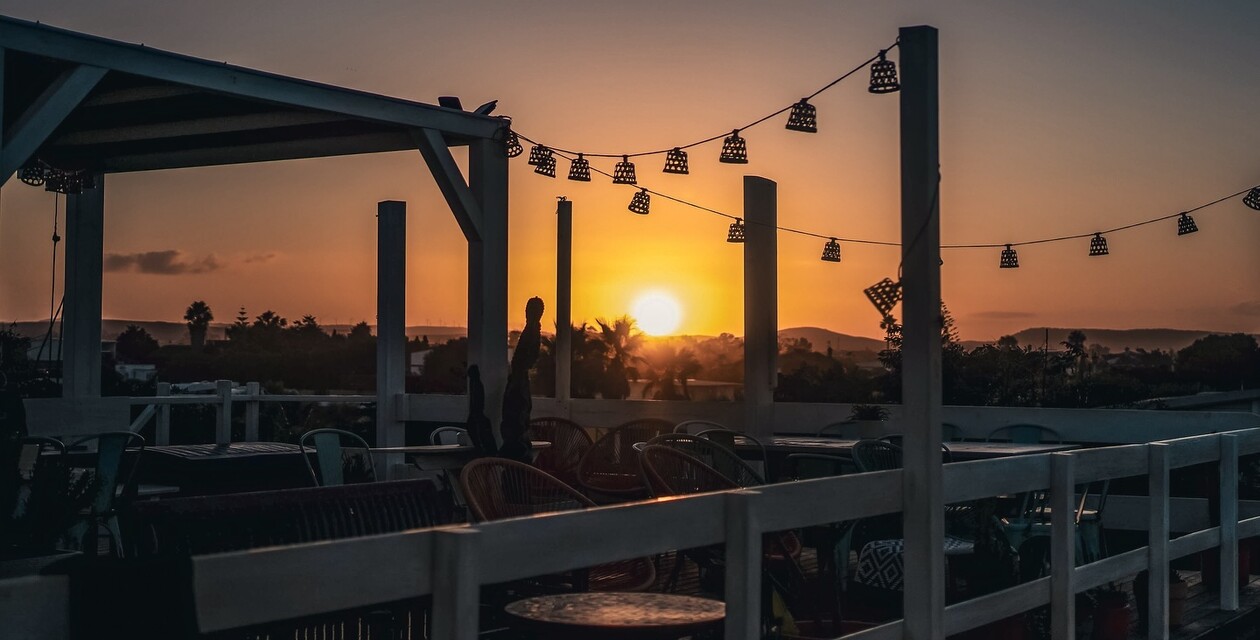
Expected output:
(450, 435)
(498, 488)
(951, 432)
(609, 471)
(807, 466)
(876, 455)
(112, 484)
(723, 460)
(569, 442)
(335, 462)
(896, 439)
(1024, 434)
(841, 429)
(688, 426)
(726, 438)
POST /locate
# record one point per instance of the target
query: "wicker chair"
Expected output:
(609, 471)
(876, 455)
(696, 426)
(714, 454)
(498, 488)
(450, 435)
(569, 442)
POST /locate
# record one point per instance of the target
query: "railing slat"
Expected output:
(1096, 574)
(986, 478)
(457, 583)
(743, 567)
(982, 610)
(1249, 528)
(1110, 462)
(1192, 450)
(1192, 543)
(1062, 547)
(1157, 541)
(792, 505)
(887, 631)
(1229, 521)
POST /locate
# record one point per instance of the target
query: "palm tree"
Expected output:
(668, 372)
(621, 340)
(198, 316)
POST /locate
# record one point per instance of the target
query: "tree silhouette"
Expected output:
(198, 316)
(621, 341)
(135, 344)
(669, 369)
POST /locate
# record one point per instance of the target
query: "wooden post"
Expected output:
(252, 389)
(488, 272)
(743, 567)
(81, 324)
(456, 585)
(223, 412)
(1157, 543)
(1062, 547)
(922, 501)
(162, 430)
(1229, 521)
(391, 325)
(761, 304)
(564, 301)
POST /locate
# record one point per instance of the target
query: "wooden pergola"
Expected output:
(82, 103)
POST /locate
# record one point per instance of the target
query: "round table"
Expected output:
(618, 615)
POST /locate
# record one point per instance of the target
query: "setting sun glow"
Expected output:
(656, 313)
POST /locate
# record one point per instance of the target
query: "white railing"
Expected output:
(158, 408)
(453, 563)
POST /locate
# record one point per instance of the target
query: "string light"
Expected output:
(1253, 198)
(736, 231)
(512, 144)
(831, 251)
(546, 165)
(676, 161)
(1098, 245)
(1185, 224)
(804, 117)
(640, 202)
(1009, 259)
(34, 174)
(580, 169)
(537, 154)
(884, 75)
(734, 149)
(885, 295)
(624, 172)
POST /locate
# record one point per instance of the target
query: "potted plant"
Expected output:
(1178, 592)
(1112, 613)
(870, 418)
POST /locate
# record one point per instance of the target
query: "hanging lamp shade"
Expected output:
(623, 173)
(1252, 199)
(734, 149)
(512, 144)
(804, 117)
(546, 166)
(537, 153)
(580, 169)
(676, 161)
(1009, 260)
(33, 174)
(884, 75)
(640, 202)
(885, 295)
(831, 251)
(736, 232)
(1098, 245)
(1185, 224)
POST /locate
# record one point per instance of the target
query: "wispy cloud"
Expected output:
(1248, 308)
(1003, 315)
(170, 262)
(259, 258)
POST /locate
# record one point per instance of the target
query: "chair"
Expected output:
(569, 442)
(1024, 434)
(896, 439)
(726, 438)
(842, 429)
(951, 432)
(807, 466)
(498, 488)
(112, 483)
(833, 541)
(713, 454)
(609, 471)
(337, 463)
(876, 455)
(450, 435)
(688, 426)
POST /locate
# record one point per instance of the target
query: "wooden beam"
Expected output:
(564, 299)
(488, 272)
(201, 126)
(267, 152)
(450, 181)
(44, 115)
(238, 81)
(761, 304)
(81, 326)
(391, 324)
(3, 178)
(139, 94)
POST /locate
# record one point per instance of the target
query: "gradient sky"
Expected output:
(1056, 118)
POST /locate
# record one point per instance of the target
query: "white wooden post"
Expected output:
(36, 607)
(1229, 521)
(564, 301)
(761, 304)
(252, 389)
(922, 500)
(456, 586)
(81, 325)
(391, 325)
(223, 412)
(1157, 542)
(162, 429)
(1062, 547)
(743, 567)
(488, 272)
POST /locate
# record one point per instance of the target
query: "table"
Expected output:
(445, 457)
(212, 469)
(959, 451)
(618, 615)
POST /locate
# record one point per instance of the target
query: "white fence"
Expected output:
(244, 588)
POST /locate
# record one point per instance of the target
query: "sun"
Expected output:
(657, 313)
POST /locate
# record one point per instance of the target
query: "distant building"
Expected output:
(415, 361)
(137, 372)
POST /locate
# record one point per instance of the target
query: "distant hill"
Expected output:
(1116, 339)
(819, 338)
(177, 332)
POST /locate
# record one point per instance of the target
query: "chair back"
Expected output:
(41, 474)
(696, 426)
(897, 440)
(113, 467)
(807, 466)
(450, 435)
(951, 432)
(1025, 434)
(670, 472)
(569, 442)
(842, 429)
(876, 455)
(341, 457)
(611, 466)
(716, 455)
(498, 488)
(68, 418)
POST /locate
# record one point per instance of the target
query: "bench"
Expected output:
(147, 594)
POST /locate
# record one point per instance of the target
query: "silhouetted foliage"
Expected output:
(198, 316)
(135, 345)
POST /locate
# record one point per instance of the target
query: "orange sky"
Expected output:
(1054, 121)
